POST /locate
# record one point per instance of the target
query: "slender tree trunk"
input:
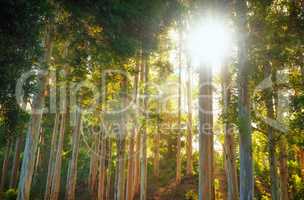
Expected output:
(64, 109)
(143, 150)
(137, 173)
(72, 175)
(130, 178)
(205, 134)
(93, 168)
(229, 146)
(39, 158)
(189, 169)
(156, 150)
(5, 166)
(282, 145)
(283, 169)
(121, 165)
(109, 174)
(179, 132)
(16, 162)
(131, 170)
(246, 171)
(268, 95)
(52, 157)
(58, 162)
(301, 161)
(137, 161)
(29, 156)
(102, 172)
(121, 146)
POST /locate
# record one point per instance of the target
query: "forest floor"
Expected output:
(171, 191)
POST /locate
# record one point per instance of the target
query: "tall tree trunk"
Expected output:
(29, 155)
(121, 164)
(301, 161)
(52, 155)
(205, 134)
(179, 132)
(143, 149)
(58, 161)
(109, 174)
(5, 166)
(121, 146)
(64, 109)
(189, 169)
(93, 167)
(102, 172)
(131, 170)
(137, 173)
(268, 95)
(16, 162)
(156, 150)
(137, 161)
(283, 168)
(72, 175)
(246, 172)
(229, 146)
(130, 178)
(39, 158)
(282, 145)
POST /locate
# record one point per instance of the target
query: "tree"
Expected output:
(32, 137)
(229, 141)
(72, 176)
(178, 145)
(246, 171)
(189, 124)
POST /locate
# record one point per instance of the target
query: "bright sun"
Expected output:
(209, 42)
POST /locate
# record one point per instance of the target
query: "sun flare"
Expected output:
(209, 42)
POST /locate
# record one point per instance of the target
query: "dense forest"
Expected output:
(152, 99)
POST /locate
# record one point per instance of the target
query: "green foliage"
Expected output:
(191, 195)
(10, 194)
(298, 185)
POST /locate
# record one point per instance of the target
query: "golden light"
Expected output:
(209, 42)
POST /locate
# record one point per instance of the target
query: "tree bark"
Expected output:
(179, 131)
(72, 175)
(130, 178)
(102, 172)
(137, 161)
(39, 158)
(29, 158)
(301, 161)
(282, 145)
(58, 162)
(246, 171)
(268, 95)
(143, 150)
(189, 169)
(5, 166)
(121, 166)
(93, 167)
(52, 155)
(109, 174)
(205, 135)
(156, 150)
(131, 170)
(16, 162)
(137, 173)
(121, 146)
(229, 143)
(283, 168)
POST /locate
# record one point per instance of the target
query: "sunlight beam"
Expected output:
(209, 42)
